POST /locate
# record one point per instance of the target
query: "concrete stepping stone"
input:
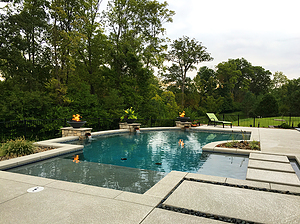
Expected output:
(267, 165)
(269, 157)
(273, 177)
(238, 203)
(165, 217)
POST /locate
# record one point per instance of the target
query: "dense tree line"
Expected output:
(59, 58)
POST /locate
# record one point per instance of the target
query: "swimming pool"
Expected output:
(135, 162)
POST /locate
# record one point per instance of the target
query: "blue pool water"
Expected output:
(135, 162)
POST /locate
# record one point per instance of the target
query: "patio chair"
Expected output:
(212, 119)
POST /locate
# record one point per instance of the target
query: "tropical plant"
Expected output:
(129, 114)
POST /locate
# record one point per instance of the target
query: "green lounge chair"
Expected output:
(212, 119)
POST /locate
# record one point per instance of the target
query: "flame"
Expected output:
(182, 114)
(181, 143)
(76, 117)
(76, 159)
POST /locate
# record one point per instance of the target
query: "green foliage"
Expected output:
(184, 54)
(214, 105)
(164, 106)
(231, 144)
(206, 81)
(18, 104)
(279, 79)
(260, 81)
(293, 95)
(255, 145)
(268, 106)
(15, 148)
(59, 58)
(299, 125)
(128, 114)
(249, 103)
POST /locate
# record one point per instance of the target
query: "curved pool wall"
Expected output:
(61, 148)
(111, 174)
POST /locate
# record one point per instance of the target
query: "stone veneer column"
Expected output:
(80, 132)
(132, 127)
(183, 125)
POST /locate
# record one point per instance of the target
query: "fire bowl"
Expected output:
(183, 119)
(76, 124)
(130, 121)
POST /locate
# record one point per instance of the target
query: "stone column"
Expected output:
(80, 132)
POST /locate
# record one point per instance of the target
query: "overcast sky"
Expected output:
(266, 33)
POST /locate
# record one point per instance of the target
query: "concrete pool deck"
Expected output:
(270, 194)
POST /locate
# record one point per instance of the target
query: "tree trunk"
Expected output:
(182, 90)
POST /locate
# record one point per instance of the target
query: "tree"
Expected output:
(24, 49)
(243, 80)
(268, 106)
(91, 54)
(248, 103)
(279, 79)
(164, 106)
(184, 54)
(136, 32)
(135, 44)
(293, 96)
(214, 104)
(260, 81)
(206, 81)
(227, 75)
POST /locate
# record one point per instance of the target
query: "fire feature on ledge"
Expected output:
(76, 124)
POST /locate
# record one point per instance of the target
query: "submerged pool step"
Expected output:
(269, 157)
(271, 169)
(271, 166)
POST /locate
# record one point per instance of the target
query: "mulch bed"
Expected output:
(239, 145)
(36, 150)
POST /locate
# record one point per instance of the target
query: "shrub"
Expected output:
(18, 147)
(231, 144)
(299, 125)
(285, 126)
(254, 145)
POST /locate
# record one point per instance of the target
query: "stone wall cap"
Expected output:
(76, 129)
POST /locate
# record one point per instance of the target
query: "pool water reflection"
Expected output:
(135, 162)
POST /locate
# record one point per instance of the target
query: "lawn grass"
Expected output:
(247, 122)
(268, 121)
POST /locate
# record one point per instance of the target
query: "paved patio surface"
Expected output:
(271, 193)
